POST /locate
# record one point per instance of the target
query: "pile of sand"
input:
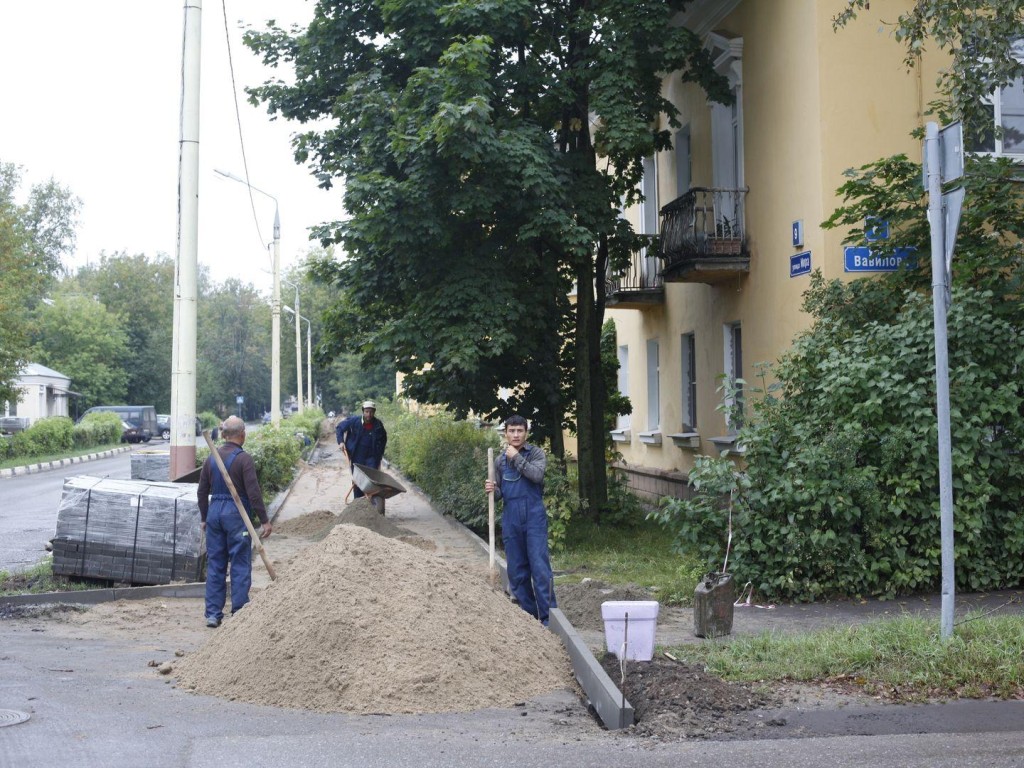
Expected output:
(361, 623)
(316, 525)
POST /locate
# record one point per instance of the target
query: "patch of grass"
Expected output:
(21, 461)
(902, 659)
(640, 554)
(39, 579)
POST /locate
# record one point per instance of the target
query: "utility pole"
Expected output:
(183, 354)
(275, 325)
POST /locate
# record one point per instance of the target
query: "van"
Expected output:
(141, 416)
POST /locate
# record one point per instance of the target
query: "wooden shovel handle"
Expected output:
(215, 455)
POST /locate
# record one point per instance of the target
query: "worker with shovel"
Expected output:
(227, 535)
(524, 521)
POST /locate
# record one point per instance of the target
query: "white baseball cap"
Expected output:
(369, 404)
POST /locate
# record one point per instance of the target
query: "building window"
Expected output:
(653, 386)
(734, 376)
(683, 161)
(688, 349)
(1006, 107)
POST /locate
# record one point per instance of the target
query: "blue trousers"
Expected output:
(524, 531)
(227, 539)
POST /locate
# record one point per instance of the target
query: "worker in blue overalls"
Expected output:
(227, 537)
(524, 521)
(363, 438)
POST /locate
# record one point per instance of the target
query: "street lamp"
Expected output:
(309, 356)
(275, 304)
(298, 346)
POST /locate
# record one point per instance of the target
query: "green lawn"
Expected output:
(640, 555)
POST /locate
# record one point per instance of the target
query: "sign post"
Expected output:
(943, 156)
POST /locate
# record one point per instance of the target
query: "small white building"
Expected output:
(45, 392)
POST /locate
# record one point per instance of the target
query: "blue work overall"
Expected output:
(524, 531)
(227, 538)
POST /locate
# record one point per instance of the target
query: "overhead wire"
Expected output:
(241, 138)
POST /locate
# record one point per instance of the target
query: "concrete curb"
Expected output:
(95, 596)
(29, 469)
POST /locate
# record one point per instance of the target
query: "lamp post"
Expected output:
(275, 304)
(298, 345)
(309, 356)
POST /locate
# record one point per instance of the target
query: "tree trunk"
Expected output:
(591, 392)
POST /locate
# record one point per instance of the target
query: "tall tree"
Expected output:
(81, 338)
(140, 289)
(33, 237)
(481, 187)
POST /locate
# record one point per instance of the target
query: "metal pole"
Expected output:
(298, 351)
(275, 326)
(309, 362)
(183, 347)
(935, 219)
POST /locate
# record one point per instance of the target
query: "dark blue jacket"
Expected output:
(364, 446)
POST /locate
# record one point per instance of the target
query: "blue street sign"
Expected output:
(800, 264)
(875, 229)
(239, 399)
(862, 259)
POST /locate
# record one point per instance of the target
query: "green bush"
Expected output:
(102, 428)
(275, 452)
(46, 436)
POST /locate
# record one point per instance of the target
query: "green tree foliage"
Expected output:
(84, 340)
(478, 188)
(978, 35)
(234, 343)
(140, 290)
(841, 494)
(33, 237)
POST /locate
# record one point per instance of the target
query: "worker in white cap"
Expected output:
(363, 438)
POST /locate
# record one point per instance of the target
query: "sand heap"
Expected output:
(316, 525)
(362, 623)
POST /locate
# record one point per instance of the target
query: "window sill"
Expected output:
(620, 435)
(687, 440)
(728, 443)
(650, 438)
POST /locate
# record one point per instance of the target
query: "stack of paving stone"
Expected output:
(151, 465)
(128, 531)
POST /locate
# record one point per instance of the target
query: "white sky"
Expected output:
(91, 95)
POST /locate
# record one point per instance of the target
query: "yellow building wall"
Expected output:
(815, 102)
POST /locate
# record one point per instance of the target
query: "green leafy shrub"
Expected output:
(275, 452)
(102, 428)
(46, 436)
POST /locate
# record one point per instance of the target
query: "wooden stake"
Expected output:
(490, 518)
(215, 455)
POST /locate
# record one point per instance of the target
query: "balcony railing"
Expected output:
(703, 237)
(639, 283)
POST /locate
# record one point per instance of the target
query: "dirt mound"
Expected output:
(673, 700)
(311, 525)
(365, 624)
(581, 603)
(316, 525)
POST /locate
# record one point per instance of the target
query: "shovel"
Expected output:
(215, 455)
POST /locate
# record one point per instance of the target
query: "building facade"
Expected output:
(738, 204)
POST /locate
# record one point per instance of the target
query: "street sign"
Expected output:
(800, 264)
(798, 233)
(951, 155)
(875, 229)
(239, 399)
(858, 258)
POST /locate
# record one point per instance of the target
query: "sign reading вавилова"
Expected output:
(857, 258)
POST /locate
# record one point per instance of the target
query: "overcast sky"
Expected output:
(91, 96)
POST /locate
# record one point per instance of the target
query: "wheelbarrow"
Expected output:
(376, 484)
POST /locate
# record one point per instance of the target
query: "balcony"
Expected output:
(703, 238)
(639, 284)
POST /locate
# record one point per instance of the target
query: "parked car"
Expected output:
(163, 421)
(11, 424)
(133, 433)
(144, 416)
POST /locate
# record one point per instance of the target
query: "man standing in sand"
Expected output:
(363, 438)
(227, 538)
(524, 521)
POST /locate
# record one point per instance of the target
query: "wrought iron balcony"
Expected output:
(639, 284)
(702, 236)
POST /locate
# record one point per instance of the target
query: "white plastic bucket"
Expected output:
(637, 642)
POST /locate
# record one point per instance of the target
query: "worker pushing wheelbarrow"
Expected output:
(363, 439)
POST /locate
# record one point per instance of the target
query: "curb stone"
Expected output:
(30, 469)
